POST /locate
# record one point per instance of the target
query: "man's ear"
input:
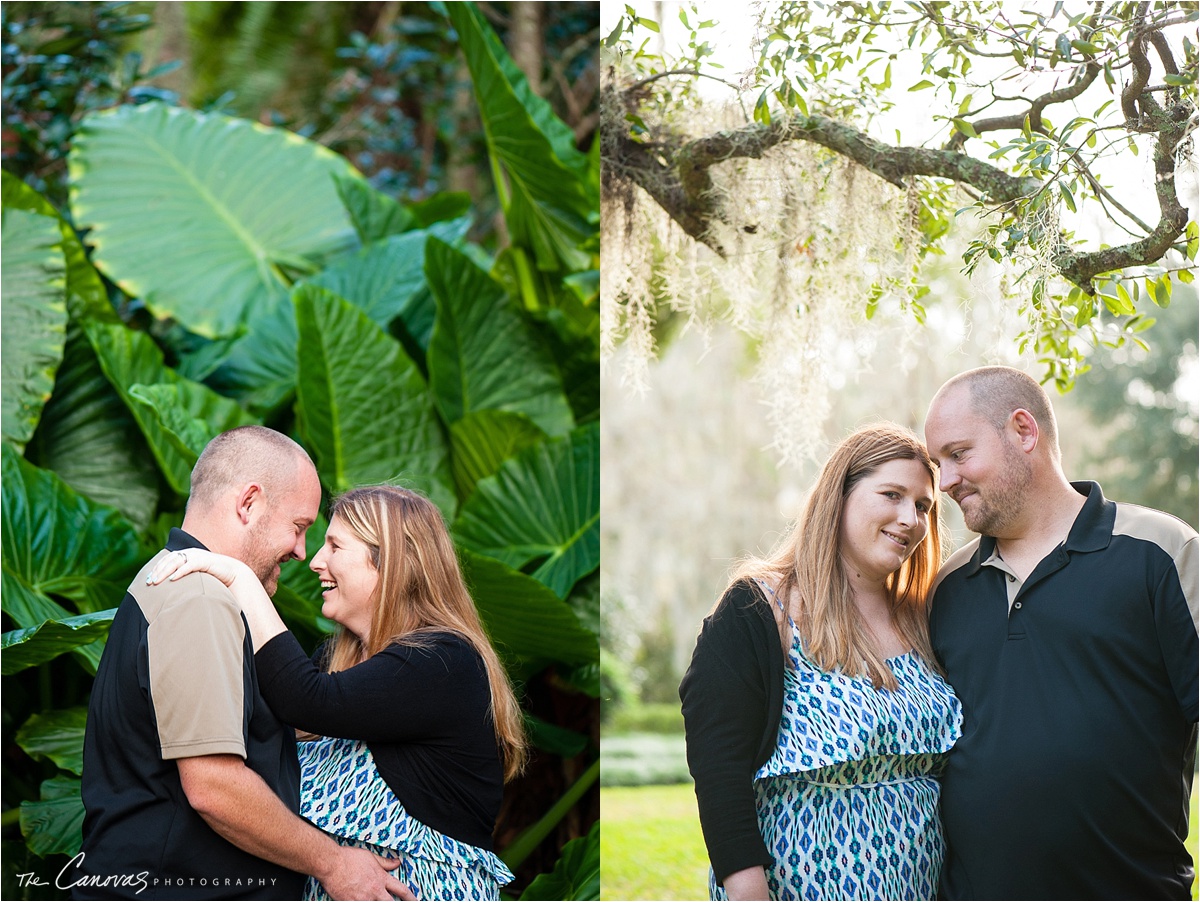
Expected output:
(249, 498)
(1025, 428)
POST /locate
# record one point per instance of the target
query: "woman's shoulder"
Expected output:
(744, 599)
(440, 645)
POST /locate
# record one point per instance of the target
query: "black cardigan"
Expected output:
(424, 714)
(732, 698)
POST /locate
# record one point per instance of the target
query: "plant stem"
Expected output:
(532, 836)
(10, 817)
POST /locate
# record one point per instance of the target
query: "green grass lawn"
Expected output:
(651, 846)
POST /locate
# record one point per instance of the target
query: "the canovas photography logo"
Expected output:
(72, 876)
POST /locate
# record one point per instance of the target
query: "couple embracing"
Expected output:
(1016, 723)
(192, 780)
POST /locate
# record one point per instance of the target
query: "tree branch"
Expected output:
(1034, 113)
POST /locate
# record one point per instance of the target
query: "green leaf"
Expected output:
(522, 616)
(259, 369)
(1124, 296)
(965, 127)
(762, 110)
(374, 214)
(56, 736)
(1067, 196)
(1181, 80)
(54, 825)
(1085, 47)
(362, 404)
(576, 874)
(544, 506)
(481, 441)
(1186, 277)
(1193, 239)
(441, 207)
(387, 279)
(554, 739)
(189, 415)
(482, 354)
(258, 203)
(87, 297)
(36, 645)
(130, 358)
(921, 85)
(544, 188)
(649, 24)
(33, 298)
(89, 438)
(57, 542)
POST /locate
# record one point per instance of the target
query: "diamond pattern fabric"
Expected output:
(848, 802)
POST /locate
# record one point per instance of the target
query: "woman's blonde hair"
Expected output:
(807, 565)
(420, 591)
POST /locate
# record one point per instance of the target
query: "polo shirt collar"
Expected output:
(177, 540)
(1091, 531)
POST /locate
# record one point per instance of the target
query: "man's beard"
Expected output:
(257, 556)
(993, 513)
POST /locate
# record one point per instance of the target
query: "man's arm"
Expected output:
(240, 806)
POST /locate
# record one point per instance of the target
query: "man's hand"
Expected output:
(360, 874)
(238, 805)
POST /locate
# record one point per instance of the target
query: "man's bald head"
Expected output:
(246, 454)
(996, 391)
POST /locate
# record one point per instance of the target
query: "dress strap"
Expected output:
(778, 601)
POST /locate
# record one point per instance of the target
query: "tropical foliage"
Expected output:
(210, 272)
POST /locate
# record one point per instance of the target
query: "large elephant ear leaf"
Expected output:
(523, 617)
(547, 199)
(387, 278)
(57, 542)
(483, 440)
(363, 405)
(483, 355)
(129, 359)
(33, 297)
(89, 438)
(87, 297)
(544, 506)
(259, 204)
(25, 648)
(56, 736)
(576, 874)
(53, 825)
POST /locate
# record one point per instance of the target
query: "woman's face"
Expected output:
(885, 518)
(348, 579)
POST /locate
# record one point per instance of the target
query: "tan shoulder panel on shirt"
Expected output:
(195, 645)
(956, 560)
(1174, 537)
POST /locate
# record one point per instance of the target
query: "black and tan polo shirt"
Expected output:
(1079, 693)
(176, 680)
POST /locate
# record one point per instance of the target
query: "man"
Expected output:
(1068, 630)
(190, 783)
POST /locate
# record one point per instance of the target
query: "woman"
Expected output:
(421, 728)
(816, 720)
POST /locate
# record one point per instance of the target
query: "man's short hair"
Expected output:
(996, 391)
(241, 455)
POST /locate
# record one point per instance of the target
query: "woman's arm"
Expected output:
(749, 883)
(727, 713)
(401, 694)
(249, 593)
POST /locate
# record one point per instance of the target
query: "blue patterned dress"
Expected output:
(342, 792)
(848, 802)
